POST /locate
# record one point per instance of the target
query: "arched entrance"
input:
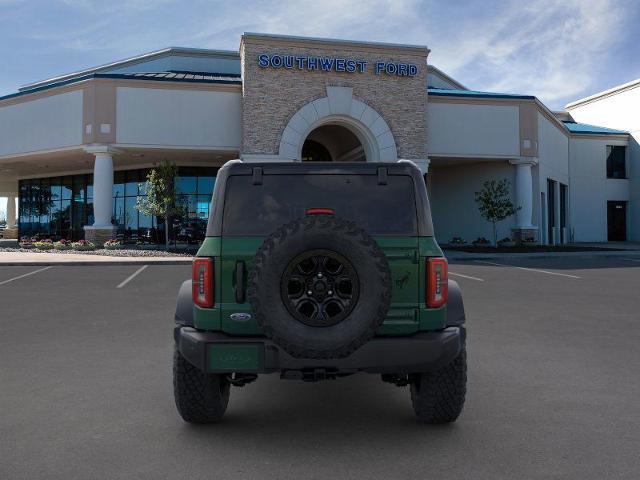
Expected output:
(337, 126)
(332, 143)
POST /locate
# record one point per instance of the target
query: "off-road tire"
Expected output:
(310, 233)
(438, 397)
(200, 397)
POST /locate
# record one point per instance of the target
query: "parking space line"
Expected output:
(529, 269)
(467, 276)
(132, 276)
(25, 275)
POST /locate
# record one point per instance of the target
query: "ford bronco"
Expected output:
(317, 271)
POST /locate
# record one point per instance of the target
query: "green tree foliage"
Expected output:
(494, 203)
(160, 199)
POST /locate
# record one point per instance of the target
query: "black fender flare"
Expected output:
(184, 305)
(455, 306)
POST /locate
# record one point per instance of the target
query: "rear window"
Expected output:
(259, 209)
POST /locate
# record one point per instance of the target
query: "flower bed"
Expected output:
(62, 245)
(113, 244)
(83, 245)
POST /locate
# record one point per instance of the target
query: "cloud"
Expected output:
(557, 50)
(546, 48)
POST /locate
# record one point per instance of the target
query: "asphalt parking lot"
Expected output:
(554, 369)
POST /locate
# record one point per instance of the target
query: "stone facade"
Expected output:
(272, 96)
(99, 236)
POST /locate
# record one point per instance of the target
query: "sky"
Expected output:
(557, 50)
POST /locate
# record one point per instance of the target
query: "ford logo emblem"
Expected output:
(240, 317)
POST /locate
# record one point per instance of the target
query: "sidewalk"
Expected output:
(37, 259)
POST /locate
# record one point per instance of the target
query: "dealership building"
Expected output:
(74, 149)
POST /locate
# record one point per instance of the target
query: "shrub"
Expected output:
(45, 244)
(457, 241)
(83, 245)
(112, 244)
(62, 245)
(26, 242)
(481, 241)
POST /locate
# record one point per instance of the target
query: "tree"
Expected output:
(160, 199)
(494, 203)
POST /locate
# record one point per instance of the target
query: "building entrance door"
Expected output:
(617, 221)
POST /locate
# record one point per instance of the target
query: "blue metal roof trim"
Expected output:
(444, 92)
(585, 128)
(227, 79)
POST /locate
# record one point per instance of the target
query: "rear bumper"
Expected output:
(216, 352)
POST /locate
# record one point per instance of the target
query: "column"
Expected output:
(11, 232)
(11, 211)
(524, 198)
(102, 228)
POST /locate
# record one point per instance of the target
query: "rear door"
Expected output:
(386, 210)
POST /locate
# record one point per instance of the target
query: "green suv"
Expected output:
(317, 271)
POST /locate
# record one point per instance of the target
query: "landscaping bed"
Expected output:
(123, 252)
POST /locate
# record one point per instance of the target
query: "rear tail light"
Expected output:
(437, 282)
(202, 282)
(320, 211)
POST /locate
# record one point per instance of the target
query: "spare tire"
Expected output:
(319, 286)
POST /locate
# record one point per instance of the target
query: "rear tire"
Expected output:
(438, 397)
(200, 397)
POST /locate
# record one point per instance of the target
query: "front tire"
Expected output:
(438, 397)
(200, 397)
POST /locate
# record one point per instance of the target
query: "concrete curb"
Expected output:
(498, 256)
(141, 261)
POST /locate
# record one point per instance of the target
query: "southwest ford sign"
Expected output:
(333, 64)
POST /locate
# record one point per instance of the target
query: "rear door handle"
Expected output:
(240, 275)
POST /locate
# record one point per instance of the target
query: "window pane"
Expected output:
(118, 213)
(131, 214)
(56, 188)
(131, 187)
(54, 218)
(78, 216)
(203, 206)
(118, 184)
(65, 219)
(90, 186)
(66, 188)
(205, 185)
(616, 167)
(185, 184)
(90, 218)
(79, 187)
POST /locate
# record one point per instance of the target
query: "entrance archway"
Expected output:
(334, 123)
(332, 142)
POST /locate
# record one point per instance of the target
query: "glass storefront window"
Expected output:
(59, 207)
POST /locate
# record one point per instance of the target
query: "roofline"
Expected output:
(468, 94)
(423, 49)
(611, 131)
(448, 78)
(133, 61)
(605, 93)
(116, 76)
(542, 108)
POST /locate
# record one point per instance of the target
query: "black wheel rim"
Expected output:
(320, 288)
